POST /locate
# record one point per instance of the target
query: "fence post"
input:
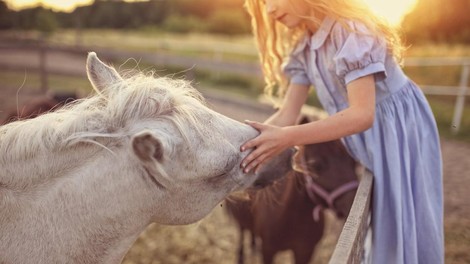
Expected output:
(460, 102)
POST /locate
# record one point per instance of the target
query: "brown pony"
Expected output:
(39, 105)
(288, 215)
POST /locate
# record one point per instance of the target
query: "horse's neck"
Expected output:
(289, 191)
(96, 208)
(29, 172)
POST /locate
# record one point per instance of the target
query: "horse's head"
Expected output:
(190, 153)
(332, 169)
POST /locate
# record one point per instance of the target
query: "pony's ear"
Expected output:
(147, 147)
(100, 74)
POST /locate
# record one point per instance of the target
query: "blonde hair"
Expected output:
(275, 41)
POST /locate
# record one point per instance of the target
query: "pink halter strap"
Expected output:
(315, 190)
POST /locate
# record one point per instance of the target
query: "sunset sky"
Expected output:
(392, 10)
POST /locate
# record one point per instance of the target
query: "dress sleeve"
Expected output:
(359, 53)
(295, 66)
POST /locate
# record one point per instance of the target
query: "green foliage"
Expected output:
(443, 108)
(46, 22)
(431, 20)
(229, 22)
(233, 80)
(5, 16)
(226, 17)
(200, 8)
(184, 24)
(439, 21)
(26, 19)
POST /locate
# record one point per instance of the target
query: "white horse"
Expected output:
(80, 184)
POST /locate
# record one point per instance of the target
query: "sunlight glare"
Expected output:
(56, 5)
(393, 11)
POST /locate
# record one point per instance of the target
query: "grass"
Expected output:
(233, 48)
(443, 109)
(22, 81)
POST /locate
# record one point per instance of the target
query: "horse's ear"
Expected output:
(147, 146)
(100, 74)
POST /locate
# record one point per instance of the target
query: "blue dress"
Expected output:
(401, 148)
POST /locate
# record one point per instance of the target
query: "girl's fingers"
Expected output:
(249, 144)
(254, 161)
(253, 143)
(255, 125)
(250, 158)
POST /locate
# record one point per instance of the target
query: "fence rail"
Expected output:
(350, 246)
(461, 91)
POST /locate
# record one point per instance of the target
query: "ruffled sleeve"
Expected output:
(295, 66)
(359, 53)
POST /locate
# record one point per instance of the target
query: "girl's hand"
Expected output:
(271, 142)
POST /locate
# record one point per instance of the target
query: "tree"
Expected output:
(439, 21)
(229, 22)
(5, 16)
(46, 22)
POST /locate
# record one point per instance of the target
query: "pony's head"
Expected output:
(330, 167)
(189, 152)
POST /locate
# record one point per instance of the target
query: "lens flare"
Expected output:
(393, 11)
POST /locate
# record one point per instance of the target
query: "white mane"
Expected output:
(104, 115)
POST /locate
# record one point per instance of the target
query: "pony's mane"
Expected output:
(107, 114)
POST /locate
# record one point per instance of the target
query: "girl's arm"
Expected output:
(295, 98)
(359, 116)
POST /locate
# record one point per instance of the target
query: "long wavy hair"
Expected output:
(275, 41)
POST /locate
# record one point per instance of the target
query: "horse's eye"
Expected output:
(230, 163)
(217, 179)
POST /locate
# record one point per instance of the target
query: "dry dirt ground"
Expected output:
(215, 239)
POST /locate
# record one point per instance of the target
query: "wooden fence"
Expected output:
(350, 246)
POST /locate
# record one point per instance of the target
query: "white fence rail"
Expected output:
(460, 91)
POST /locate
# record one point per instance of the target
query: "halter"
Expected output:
(315, 190)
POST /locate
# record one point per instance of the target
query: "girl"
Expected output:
(352, 58)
